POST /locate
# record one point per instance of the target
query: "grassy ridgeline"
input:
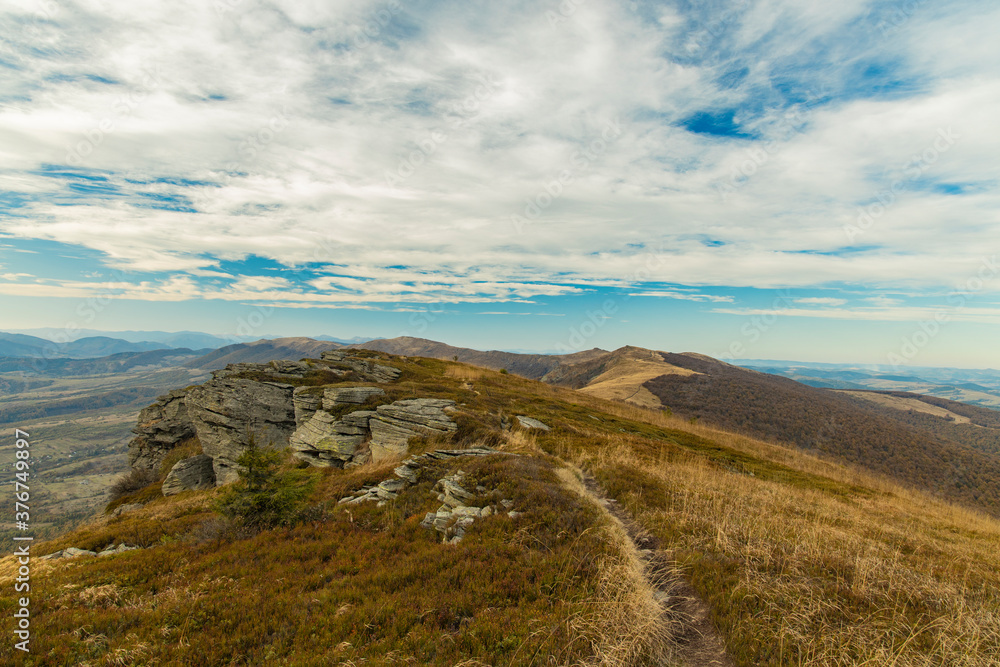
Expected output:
(803, 561)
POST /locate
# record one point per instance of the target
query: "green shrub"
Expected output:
(264, 497)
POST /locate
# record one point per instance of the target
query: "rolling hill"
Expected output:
(262, 351)
(533, 366)
(603, 533)
(957, 461)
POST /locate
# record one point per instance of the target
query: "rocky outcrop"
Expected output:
(161, 427)
(335, 396)
(394, 425)
(227, 412)
(408, 473)
(454, 516)
(73, 552)
(306, 401)
(365, 369)
(276, 369)
(456, 513)
(190, 474)
(249, 398)
(363, 435)
(327, 441)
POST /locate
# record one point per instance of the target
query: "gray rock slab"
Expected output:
(194, 473)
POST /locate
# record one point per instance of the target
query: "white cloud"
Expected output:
(292, 129)
(684, 296)
(821, 301)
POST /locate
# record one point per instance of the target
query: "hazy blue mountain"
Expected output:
(195, 340)
(969, 385)
(20, 345)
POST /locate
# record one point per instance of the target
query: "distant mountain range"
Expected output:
(975, 386)
(21, 345)
(906, 425)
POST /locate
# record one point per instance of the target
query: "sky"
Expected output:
(783, 179)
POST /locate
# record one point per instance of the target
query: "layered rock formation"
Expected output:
(250, 400)
(160, 427)
(363, 435)
(366, 369)
(227, 412)
(196, 472)
(394, 425)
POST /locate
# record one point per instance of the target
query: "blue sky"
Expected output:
(746, 179)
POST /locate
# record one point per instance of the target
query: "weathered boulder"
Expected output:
(306, 401)
(395, 424)
(335, 396)
(325, 441)
(226, 411)
(528, 422)
(160, 427)
(194, 473)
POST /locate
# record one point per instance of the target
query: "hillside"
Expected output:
(262, 351)
(958, 461)
(533, 366)
(830, 423)
(979, 387)
(601, 533)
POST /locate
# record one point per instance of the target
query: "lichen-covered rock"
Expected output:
(190, 474)
(289, 367)
(335, 396)
(306, 401)
(365, 369)
(325, 441)
(226, 411)
(160, 427)
(395, 424)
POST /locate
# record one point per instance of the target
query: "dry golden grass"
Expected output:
(804, 561)
(626, 623)
(801, 576)
(467, 373)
